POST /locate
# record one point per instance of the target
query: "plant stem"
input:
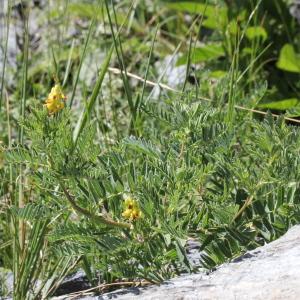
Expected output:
(5, 54)
(85, 212)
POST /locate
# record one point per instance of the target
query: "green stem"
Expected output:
(5, 54)
(242, 209)
(96, 218)
(90, 105)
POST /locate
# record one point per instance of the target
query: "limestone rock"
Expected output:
(268, 272)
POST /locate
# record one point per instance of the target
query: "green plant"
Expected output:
(231, 187)
(117, 181)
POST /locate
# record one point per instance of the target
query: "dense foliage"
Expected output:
(117, 178)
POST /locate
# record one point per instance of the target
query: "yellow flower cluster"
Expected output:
(56, 100)
(132, 210)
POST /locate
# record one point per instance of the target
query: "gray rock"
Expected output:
(193, 253)
(295, 10)
(6, 283)
(74, 283)
(269, 272)
(169, 73)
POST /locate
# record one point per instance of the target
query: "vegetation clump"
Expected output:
(119, 176)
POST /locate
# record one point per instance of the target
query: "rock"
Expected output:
(169, 74)
(268, 272)
(6, 282)
(74, 283)
(193, 253)
(295, 10)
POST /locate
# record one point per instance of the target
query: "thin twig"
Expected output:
(242, 209)
(161, 85)
(166, 87)
(103, 287)
(85, 212)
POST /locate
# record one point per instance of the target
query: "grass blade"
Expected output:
(87, 112)
(5, 54)
(81, 61)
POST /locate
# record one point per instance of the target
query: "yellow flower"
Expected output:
(130, 203)
(132, 210)
(127, 213)
(136, 214)
(55, 101)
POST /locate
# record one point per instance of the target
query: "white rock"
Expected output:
(268, 272)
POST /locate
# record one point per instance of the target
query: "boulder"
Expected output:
(268, 272)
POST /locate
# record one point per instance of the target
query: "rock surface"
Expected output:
(268, 272)
(74, 283)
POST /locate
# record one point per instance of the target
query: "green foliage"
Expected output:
(288, 59)
(206, 53)
(263, 33)
(199, 163)
(209, 11)
(256, 32)
(281, 105)
(233, 188)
